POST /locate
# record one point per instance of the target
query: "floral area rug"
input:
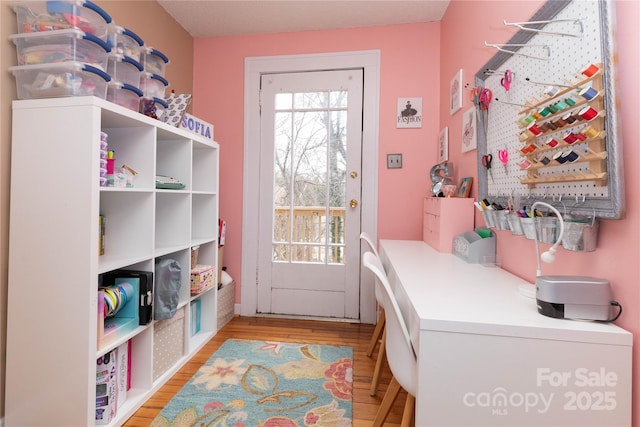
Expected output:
(266, 384)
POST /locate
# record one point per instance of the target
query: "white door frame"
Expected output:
(254, 68)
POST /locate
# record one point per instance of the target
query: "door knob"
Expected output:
(354, 174)
(353, 203)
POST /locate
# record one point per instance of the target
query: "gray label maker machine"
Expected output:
(576, 297)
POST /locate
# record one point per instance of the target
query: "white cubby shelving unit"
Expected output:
(54, 266)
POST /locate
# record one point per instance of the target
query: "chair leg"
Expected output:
(377, 333)
(375, 379)
(387, 402)
(408, 415)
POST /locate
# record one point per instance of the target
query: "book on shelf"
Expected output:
(106, 388)
(195, 309)
(177, 105)
(123, 372)
(101, 231)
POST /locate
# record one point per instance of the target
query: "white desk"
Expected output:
(486, 357)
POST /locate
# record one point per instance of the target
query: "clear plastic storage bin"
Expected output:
(61, 46)
(60, 79)
(125, 42)
(124, 69)
(154, 61)
(124, 94)
(35, 16)
(153, 107)
(153, 85)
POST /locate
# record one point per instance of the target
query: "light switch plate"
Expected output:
(394, 161)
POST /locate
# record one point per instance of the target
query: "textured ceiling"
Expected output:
(212, 18)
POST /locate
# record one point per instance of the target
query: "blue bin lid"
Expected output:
(59, 6)
(133, 62)
(161, 102)
(105, 45)
(134, 36)
(159, 78)
(96, 70)
(161, 55)
(133, 89)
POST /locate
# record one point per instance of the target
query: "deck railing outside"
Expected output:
(307, 240)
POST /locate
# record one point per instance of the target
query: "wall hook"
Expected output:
(500, 47)
(521, 25)
(549, 84)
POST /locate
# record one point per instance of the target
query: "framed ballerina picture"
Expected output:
(409, 113)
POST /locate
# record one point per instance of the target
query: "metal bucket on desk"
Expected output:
(580, 234)
(529, 228)
(547, 229)
(502, 220)
(489, 218)
(515, 225)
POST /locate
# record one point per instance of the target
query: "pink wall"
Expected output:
(465, 27)
(420, 60)
(408, 68)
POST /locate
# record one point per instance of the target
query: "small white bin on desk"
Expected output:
(475, 249)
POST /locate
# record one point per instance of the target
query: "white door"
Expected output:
(309, 227)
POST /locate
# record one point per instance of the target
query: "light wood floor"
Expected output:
(303, 331)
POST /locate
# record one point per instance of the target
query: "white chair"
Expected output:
(378, 333)
(400, 354)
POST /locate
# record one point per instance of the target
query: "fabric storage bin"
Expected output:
(125, 42)
(154, 61)
(153, 85)
(168, 343)
(35, 16)
(124, 94)
(203, 277)
(61, 46)
(124, 69)
(153, 107)
(60, 79)
(226, 303)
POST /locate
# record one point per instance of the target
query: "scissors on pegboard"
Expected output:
(505, 81)
(486, 162)
(481, 97)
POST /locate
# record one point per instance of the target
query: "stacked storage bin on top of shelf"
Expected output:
(153, 82)
(62, 49)
(125, 67)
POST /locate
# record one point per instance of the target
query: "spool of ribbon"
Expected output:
(590, 70)
(570, 156)
(558, 157)
(544, 112)
(590, 132)
(588, 93)
(545, 160)
(533, 128)
(116, 297)
(570, 137)
(551, 142)
(588, 113)
(569, 118)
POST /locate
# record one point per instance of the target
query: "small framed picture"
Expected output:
(455, 93)
(469, 134)
(409, 113)
(464, 189)
(443, 145)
